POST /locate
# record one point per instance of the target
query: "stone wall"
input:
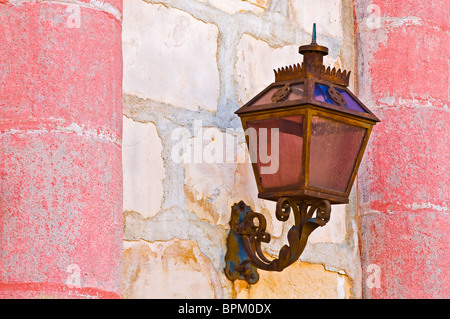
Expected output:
(188, 66)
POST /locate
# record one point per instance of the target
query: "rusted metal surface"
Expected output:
(319, 120)
(236, 258)
(336, 96)
(281, 94)
(303, 189)
(248, 232)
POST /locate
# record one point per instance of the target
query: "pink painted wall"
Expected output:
(403, 187)
(60, 155)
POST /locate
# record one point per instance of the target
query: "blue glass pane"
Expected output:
(350, 102)
(318, 94)
(321, 94)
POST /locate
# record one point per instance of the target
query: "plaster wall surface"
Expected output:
(188, 66)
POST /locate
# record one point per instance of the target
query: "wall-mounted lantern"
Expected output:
(319, 131)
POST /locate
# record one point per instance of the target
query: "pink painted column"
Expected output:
(60, 149)
(403, 186)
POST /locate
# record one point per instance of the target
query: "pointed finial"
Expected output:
(314, 34)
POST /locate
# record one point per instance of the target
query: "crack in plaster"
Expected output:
(100, 134)
(174, 221)
(177, 223)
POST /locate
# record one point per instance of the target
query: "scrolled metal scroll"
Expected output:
(249, 229)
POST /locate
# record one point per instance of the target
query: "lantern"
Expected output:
(306, 134)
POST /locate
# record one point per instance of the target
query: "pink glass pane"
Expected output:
(297, 93)
(278, 150)
(333, 152)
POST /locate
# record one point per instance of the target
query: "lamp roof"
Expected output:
(309, 83)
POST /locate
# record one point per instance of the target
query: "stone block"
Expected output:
(256, 60)
(298, 281)
(169, 56)
(172, 269)
(334, 231)
(327, 14)
(143, 168)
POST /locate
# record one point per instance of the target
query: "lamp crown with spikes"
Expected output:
(312, 65)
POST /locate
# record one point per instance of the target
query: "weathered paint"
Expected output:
(403, 191)
(60, 131)
(219, 54)
(60, 160)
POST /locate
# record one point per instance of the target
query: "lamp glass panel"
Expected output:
(276, 146)
(321, 94)
(334, 149)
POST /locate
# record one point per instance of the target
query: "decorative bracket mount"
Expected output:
(248, 230)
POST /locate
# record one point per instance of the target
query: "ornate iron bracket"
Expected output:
(248, 230)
